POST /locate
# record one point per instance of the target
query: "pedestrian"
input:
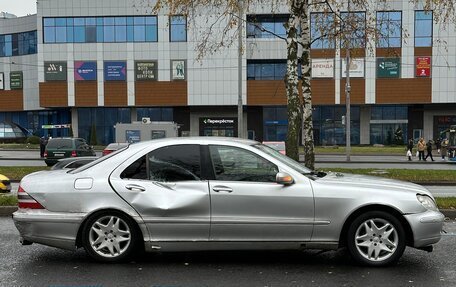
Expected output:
(438, 145)
(421, 146)
(443, 148)
(43, 143)
(409, 149)
(429, 150)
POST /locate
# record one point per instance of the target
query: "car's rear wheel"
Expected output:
(110, 237)
(376, 238)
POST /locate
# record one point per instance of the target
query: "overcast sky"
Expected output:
(18, 7)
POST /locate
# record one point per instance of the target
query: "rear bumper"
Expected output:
(48, 228)
(426, 227)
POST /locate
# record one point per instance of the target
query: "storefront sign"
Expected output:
(2, 83)
(356, 68)
(115, 71)
(388, 67)
(178, 69)
(322, 68)
(146, 71)
(63, 126)
(85, 71)
(133, 136)
(423, 67)
(16, 80)
(55, 71)
(217, 121)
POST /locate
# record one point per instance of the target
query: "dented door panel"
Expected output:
(178, 211)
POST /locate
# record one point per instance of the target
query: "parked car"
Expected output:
(278, 146)
(73, 162)
(221, 193)
(5, 184)
(58, 148)
(112, 147)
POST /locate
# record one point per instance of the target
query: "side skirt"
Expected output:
(176, 246)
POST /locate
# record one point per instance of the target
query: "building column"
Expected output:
(364, 122)
(75, 122)
(133, 115)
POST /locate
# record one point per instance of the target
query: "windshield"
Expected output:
(101, 159)
(276, 145)
(60, 143)
(283, 158)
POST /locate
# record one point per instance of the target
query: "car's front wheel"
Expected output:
(376, 238)
(110, 237)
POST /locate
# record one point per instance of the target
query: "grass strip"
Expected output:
(415, 175)
(8, 200)
(369, 150)
(18, 172)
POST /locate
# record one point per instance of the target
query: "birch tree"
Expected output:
(346, 30)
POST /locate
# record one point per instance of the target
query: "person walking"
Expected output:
(443, 148)
(429, 150)
(43, 143)
(409, 149)
(421, 146)
(438, 144)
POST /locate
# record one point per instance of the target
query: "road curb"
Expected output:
(450, 214)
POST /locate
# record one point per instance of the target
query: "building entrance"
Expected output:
(221, 127)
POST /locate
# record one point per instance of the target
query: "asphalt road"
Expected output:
(37, 265)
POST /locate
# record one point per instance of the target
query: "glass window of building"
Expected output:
(423, 28)
(100, 29)
(329, 128)
(267, 69)
(178, 28)
(389, 27)
(18, 44)
(389, 124)
(266, 26)
(322, 25)
(354, 26)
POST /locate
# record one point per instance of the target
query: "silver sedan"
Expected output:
(215, 193)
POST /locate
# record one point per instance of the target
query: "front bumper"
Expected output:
(426, 227)
(48, 228)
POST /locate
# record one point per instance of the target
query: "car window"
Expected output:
(136, 170)
(237, 164)
(60, 143)
(175, 163)
(78, 163)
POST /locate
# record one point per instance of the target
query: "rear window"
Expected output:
(60, 143)
(97, 161)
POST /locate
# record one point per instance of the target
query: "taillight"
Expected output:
(73, 154)
(45, 154)
(26, 201)
(106, 151)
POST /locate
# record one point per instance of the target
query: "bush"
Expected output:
(33, 140)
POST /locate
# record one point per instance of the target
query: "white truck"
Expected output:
(145, 130)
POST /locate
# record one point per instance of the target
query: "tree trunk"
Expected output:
(294, 105)
(307, 127)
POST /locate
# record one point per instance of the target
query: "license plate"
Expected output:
(59, 154)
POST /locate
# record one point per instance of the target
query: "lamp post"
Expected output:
(347, 91)
(239, 106)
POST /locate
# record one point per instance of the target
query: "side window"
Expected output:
(175, 163)
(137, 170)
(236, 164)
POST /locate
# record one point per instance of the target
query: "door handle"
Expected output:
(135, 187)
(221, 188)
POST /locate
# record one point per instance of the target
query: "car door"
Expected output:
(248, 205)
(166, 188)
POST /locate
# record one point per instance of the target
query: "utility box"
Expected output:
(144, 131)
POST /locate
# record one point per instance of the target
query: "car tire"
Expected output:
(376, 238)
(110, 236)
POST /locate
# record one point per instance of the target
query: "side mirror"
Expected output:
(284, 178)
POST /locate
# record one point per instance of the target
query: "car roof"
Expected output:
(195, 140)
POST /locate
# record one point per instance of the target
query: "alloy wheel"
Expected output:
(110, 236)
(376, 239)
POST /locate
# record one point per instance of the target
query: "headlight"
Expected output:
(427, 202)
